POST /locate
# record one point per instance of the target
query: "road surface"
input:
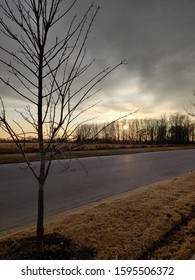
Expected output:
(71, 187)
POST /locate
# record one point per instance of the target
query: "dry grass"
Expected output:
(11, 148)
(154, 222)
(9, 153)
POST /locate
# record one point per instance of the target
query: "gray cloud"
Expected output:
(157, 39)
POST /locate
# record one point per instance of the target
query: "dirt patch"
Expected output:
(155, 222)
(56, 247)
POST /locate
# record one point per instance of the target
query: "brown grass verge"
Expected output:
(154, 222)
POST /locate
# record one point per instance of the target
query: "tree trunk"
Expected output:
(40, 218)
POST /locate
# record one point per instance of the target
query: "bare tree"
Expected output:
(48, 70)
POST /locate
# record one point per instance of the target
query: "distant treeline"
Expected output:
(175, 129)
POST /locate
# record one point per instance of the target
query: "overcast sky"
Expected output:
(157, 40)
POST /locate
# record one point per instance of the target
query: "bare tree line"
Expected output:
(174, 129)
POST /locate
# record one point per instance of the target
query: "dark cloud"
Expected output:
(157, 39)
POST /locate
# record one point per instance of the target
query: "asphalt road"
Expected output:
(70, 187)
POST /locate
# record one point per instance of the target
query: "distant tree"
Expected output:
(162, 129)
(47, 69)
(191, 108)
(179, 128)
(83, 132)
(191, 112)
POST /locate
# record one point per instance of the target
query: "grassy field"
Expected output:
(153, 222)
(9, 153)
